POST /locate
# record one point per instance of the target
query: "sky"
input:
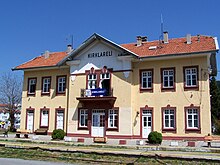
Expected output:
(29, 27)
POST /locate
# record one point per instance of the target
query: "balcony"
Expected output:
(98, 92)
(98, 97)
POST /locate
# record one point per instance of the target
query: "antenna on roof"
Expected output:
(161, 24)
(70, 38)
(161, 27)
(161, 37)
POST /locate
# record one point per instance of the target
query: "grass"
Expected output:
(82, 158)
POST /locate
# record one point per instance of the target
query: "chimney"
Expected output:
(69, 48)
(198, 36)
(188, 39)
(46, 54)
(144, 39)
(139, 41)
(165, 37)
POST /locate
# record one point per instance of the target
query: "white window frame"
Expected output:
(61, 84)
(92, 81)
(169, 74)
(169, 113)
(112, 118)
(60, 111)
(83, 118)
(42, 112)
(46, 85)
(146, 78)
(104, 76)
(32, 81)
(190, 75)
(194, 113)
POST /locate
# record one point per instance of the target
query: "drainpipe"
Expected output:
(67, 106)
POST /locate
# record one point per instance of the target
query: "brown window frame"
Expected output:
(113, 128)
(56, 110)
(188, 129)
(41, 110)
(171, 89)
(152, 80)
(63, 93)
(34, 93)
(42, 86)
(164, 129)
(196, 87)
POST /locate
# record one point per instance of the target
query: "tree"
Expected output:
(215, 104)
(10, 94)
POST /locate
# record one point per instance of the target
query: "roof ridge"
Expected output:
(169, 39)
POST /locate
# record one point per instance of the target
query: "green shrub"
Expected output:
(155, 137)
(216, 124)
(58, 134)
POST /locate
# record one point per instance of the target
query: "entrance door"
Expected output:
(60, 116)
(98, 123)
(30, 120)
(146, 123)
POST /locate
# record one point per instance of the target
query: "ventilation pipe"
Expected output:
(46, 54)
(165, 37)
(139, 41)
(69, 48)
(188, 39)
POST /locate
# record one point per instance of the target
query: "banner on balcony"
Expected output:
(96, 92)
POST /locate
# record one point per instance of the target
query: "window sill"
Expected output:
(171, 130)
(61, 94)
(112, 129)
(142, 90)
(31, 94)
(44, 126)
(188, 88)
(83, 128)
(193, 130)
(45, 94)
(173, 89)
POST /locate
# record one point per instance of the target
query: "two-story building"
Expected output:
(103, 89)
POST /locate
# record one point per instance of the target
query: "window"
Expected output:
(92, 81)
(146, 80)
(191, 77)
(98, 83)
(46, 83)
(32, 86)
(192, 118)
(105, 76)
(61, 84)
(169, 118)
(113, 118)
(83, 118)
(168, 78)
(44, 120)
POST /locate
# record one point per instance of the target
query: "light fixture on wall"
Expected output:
(137, 113)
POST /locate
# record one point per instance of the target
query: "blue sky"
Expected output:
(28, 27)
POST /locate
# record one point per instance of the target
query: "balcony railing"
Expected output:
(98, 92)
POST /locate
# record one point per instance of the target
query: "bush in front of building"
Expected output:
(58, 134)
(155, 137)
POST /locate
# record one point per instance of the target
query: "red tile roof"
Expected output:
(175, 46)
(41, 61)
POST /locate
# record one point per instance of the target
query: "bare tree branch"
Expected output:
(11, 94)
